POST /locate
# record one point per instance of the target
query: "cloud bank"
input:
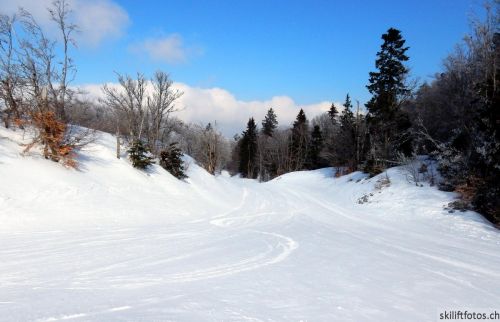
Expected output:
(203, 105)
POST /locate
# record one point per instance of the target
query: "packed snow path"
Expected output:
(112, 243)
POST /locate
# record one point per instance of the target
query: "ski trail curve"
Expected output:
(275, 253)
(276, 249)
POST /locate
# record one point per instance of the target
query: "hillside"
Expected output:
(109, 242)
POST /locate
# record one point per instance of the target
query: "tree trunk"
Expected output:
(117, 142)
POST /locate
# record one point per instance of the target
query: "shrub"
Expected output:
(373, 168)
(51, 134)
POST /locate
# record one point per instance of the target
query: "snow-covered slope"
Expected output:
(108, 242)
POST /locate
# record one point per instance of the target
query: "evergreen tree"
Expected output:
(171, 160)
(299, 142)
(388, 89)
(332, 113)
(347, 117)
(315, 147)
(140, 155)
(248, 151)
(345, 149)
(387, 85)
(269, 123)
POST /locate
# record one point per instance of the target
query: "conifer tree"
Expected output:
(139, 155)
(388, 89)
(299, 141)
(332, 113)
(346, 145)
(300, 120)
(387, 84)
(171, 160)
(315, 147)
(347, 117)
(269, 123)
(248, 151)
(265, 165)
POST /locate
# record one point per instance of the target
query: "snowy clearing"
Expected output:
(109, 242)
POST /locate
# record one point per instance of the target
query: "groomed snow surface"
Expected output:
(108, 242)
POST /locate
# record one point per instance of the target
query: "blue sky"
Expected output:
(308, 50)
(235, 59)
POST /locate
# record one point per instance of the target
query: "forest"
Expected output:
(453, 120)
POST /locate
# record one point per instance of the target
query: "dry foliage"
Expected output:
(468, 189)
(51, 134)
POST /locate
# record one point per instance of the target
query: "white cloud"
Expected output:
(169, 49)
(203, 105)
(216, 104)
(100, 19)
(97, 20)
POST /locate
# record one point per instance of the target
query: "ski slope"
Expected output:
(110, 243)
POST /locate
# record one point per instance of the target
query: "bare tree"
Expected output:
(144, 108)
(10, 80)
(160, 104)
(59, 13)
(206, 145)
(360, 133)
(36, 64)
(280, 152)
(211, 149)
(128, 103)
(35, 85)
(262, 162)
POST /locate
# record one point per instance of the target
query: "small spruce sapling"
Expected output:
(171, 160)
(139, 155)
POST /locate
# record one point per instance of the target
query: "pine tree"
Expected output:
(299, 141)
(248, 151)
(171, 160)
(332, 113)
(315, 147)
(269, 123)
(387, 85)
(388, 89)
(347, 117)
(345, 147)
(139, 155)
(265, 165)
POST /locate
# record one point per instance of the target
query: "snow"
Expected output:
(108, 242)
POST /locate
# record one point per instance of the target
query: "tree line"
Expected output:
(454, 119)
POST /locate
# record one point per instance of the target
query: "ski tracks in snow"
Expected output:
(276, 251)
